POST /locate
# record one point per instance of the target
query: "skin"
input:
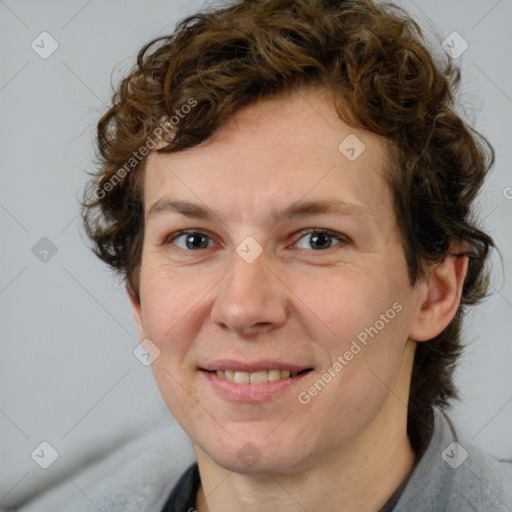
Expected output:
(292, 303)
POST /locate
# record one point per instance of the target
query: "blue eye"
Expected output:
(193, 240)
(320, 239)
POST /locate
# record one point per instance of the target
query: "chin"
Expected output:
(258, 456)
(267, 464)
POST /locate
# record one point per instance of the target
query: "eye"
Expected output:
(321, 239)
(191, 240)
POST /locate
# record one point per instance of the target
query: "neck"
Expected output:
(362, 478)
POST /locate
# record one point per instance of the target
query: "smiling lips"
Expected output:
(256, 382)
(255, 373)
(259, 377)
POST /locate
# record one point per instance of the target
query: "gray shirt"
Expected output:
(455, 476)
(140, 476)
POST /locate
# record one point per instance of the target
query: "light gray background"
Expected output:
(68, 374)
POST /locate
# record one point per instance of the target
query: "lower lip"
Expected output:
(251, 392)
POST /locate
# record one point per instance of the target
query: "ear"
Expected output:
(440, 295)
(135, 303)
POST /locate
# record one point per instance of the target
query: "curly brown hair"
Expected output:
(375, 61)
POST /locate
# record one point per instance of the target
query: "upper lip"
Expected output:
(263, 364)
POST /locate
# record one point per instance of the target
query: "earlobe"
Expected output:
(136, 308)
(441, 298)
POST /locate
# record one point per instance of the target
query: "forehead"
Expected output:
(272, 154)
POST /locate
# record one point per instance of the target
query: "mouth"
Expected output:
(256, 377)
(257, 382)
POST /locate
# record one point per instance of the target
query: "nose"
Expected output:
(251, 298)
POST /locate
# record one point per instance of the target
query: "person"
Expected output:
(288, 191)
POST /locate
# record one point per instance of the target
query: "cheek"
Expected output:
(347, 303)
(167, 304)
(365, 318)
(169, 307)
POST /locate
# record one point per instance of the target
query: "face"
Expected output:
(291, 262)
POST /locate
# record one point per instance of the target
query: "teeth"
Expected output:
(273, 375)
(259, 377)
(242, 377)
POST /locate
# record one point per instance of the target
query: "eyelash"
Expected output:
(344, 240)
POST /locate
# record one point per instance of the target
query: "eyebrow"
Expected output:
(299, 209)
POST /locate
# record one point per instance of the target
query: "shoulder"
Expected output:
(137, 477)
(486, 481)
(455, 475)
